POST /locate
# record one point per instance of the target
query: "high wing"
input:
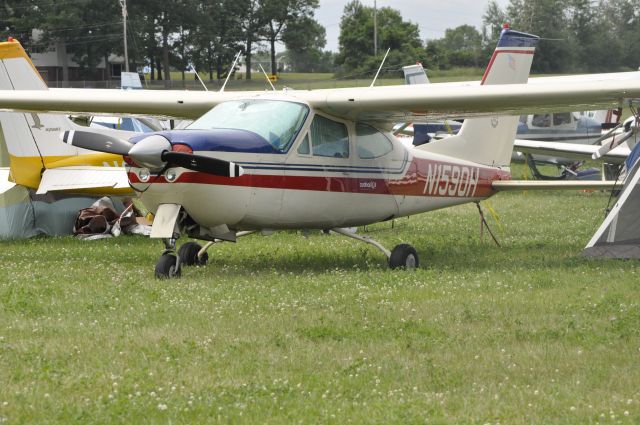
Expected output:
(384, 105)
(571, 150)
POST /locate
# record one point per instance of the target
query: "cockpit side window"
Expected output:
(304, 148)
(329, 138)
(371, 143)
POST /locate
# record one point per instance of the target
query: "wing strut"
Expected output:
(483, 223)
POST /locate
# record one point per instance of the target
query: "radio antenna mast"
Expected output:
(230, 71)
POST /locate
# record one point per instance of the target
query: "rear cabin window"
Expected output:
(329, 138)
(560, 119)
(371, 143)
(541, 120)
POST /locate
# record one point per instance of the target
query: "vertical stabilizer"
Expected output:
(489, 141)
(28, 137)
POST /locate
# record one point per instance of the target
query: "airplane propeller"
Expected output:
(153, 152)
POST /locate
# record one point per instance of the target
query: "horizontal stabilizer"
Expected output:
(80, 178)
(570, 150)
(505, 185)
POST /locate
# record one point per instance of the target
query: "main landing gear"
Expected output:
(170, 263)
(403, 256)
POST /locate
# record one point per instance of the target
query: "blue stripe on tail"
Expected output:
(511, 38)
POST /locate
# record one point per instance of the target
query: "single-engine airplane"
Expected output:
(323, 159)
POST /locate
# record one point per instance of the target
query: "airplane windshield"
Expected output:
(278, 122)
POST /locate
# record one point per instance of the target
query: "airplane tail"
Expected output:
(32, 139)
(489, 140)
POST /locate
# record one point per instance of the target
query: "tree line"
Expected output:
(162, 35)
(577, 35)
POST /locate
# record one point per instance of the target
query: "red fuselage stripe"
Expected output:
(422, 178)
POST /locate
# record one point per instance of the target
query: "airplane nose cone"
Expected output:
(148, 151)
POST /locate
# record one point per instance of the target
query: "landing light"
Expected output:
(171, 175)
(144, 175)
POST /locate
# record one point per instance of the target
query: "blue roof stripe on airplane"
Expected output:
(511, 38)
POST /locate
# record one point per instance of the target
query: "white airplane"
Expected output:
(323, 159)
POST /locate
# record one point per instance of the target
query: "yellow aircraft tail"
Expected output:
(31, 140)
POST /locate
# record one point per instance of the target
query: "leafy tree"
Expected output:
(304, 39)
(547, 18)
(622, 27)
(356, 44)
(464, 44)
(278, 15)
(90, 31)
(18, 18)
(218, 36)
(437, 56)
(252, 25)
(493, 19)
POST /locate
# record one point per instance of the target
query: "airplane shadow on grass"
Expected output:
(467, 255)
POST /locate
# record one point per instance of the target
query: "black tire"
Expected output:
(166, 267)
(404, 256)
(188, 254)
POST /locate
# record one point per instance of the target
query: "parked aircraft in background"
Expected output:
(565, 127)
(133, 124)
(321, 159)
(36, 159)
(614, 148)
(44, 183)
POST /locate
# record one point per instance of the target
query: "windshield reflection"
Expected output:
(278, 122)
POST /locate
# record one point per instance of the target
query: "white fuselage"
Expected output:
(297, 189)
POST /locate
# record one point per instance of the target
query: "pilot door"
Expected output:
(327, 181)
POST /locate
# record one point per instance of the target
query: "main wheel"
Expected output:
(167, 267)
(188, 254)
(403, 256)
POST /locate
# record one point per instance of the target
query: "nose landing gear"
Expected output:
(168, 265)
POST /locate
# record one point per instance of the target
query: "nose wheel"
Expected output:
(168, 265)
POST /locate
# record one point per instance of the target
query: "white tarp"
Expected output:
(23, 214)
(619, 234)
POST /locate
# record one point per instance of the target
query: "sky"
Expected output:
(432, 16)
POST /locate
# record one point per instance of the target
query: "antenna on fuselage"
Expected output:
(193, 68)
(230, 71)
(380, 68)
(267, 77)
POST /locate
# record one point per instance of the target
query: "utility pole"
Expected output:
(123, 3)
(375, 28)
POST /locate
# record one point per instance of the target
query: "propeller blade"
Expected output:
(96, 142)
(205, 164)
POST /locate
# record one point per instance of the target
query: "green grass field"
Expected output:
(309, 81)
(293, 329)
